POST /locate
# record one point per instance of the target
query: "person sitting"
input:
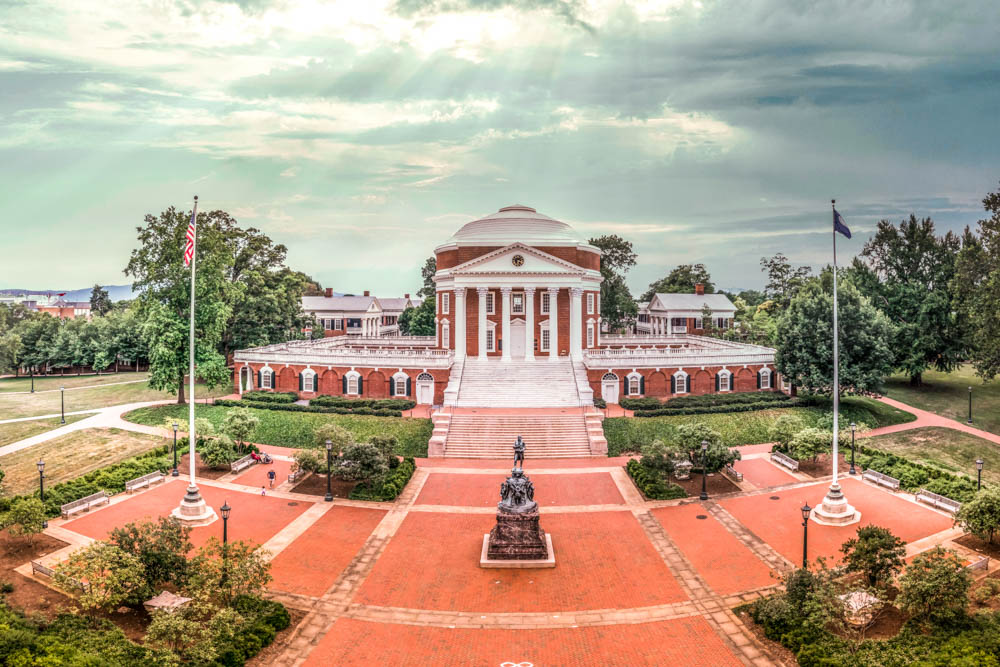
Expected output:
(256, 457)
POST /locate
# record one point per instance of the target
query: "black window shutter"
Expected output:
(392, 386)
(343, 382)
(642, 385)
(300, 381)
(673, 384)
(716, 382)
(758, 379)
(409, 386)
(361, 386)
(258, 379)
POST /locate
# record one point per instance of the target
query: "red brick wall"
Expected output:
(450, 258)
(330, 383)
(702, 381)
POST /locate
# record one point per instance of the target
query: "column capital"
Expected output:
(506, 290)
(552, 290)
(530, 289)
(482, 290)
(576, 291)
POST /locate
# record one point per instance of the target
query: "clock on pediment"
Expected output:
(517, 260)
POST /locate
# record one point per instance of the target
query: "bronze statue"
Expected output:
(517, 494)
(519, 453)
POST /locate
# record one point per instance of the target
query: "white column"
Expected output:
(364, 327)
(553, 323)
(529, 324)
(576, 323)
(505, 297)
(460, 323)
(482, 291)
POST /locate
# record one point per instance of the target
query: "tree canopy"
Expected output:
(783, 280)
(100, 302)
(618, 308)
(681, 281)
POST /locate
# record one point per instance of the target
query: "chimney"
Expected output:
(699, 288)
(406, 296)
(329, 292)
(367, 293)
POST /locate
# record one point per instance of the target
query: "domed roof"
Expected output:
(513, 224)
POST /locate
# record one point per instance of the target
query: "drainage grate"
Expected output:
(701, 516)
(293, 504)
(775, 497)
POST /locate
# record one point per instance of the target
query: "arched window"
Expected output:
(399, 381)
(765, 378)
(633, 386)
(425, 377)
(609, 377)
(352, 383)
(680, 382)
(725, 381)
(307, 380)
(266, 378)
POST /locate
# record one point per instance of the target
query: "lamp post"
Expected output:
(174, 473)
(329, 464)
(704, 470)
(805, 535)
(62, 405)
(854, 428)
(224, 511)
(970, 405)
(41, 486)
(979, 474)
(31, 371)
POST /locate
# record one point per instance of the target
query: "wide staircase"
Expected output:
(491, 435)
(518, 384)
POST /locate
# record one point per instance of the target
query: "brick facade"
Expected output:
(375, 381)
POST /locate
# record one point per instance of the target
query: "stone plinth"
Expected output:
(835, 510)
(486, 562)
(193, 510)
(517, 536)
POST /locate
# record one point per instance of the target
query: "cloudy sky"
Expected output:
(361, 133)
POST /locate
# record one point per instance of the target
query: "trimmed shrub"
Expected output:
(652, 483)
(354, 403)
(270, 397)
(295, 407)
(392, 485)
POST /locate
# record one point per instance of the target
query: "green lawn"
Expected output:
(626, 434)
(49, 382)
(20, 430)
(71, 456)
(28, 405)
(943, 448)
(295, 429)
(947, 394)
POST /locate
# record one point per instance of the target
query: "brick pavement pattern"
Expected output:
(597, 488)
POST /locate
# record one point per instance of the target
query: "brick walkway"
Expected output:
(635, 582)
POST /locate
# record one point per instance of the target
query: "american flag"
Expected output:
(189, 248)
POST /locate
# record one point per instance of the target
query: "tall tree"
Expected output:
(163, 284)
(805, 340)
(783, 280)
(618, 307)
(976, 290)
(37, 337)
(100, 302)
(913, 268)
(427, 271)
(10, 352)
(681, 281)
(418, 321)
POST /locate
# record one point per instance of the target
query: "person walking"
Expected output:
(270, 477)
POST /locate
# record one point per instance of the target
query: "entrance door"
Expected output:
(516, 339)
(425, 389)
(609, 388)
(245, 379)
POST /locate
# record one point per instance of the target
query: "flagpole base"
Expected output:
(835, 510)
(193, 510)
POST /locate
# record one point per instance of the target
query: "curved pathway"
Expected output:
(925, 419)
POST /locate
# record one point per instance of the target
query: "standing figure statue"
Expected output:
(519, 453)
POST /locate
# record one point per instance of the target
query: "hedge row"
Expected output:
(652, 403)
(652, 484)
(295, 407)
(271, 396)
(914, 476)
(354, 403)
(268, 619)
(717, 409)
(391, 486)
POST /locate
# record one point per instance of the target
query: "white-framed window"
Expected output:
(266, 379)
(544, 344)
(491, 308)
(338, 324)
(445, 303)
(633, 385)
(308, 381)
(681, 383)
(445, 335)
(352, 382)
(590, 303)
(491, 343)
(765, 378)
(698, 323)
(400, 382)
(590, 335)
(720, 322)
(517, 303)
(545, 303)
(725, 381)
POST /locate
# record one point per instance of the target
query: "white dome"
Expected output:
(513, 224)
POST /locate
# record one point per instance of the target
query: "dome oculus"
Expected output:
(517, 260)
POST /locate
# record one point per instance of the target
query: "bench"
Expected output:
(37, 568)
(296, 475)
(981, 564)
(144, 481)
(733, 473)
(939, 501)
(242, 463)
(881, 479)
(786, 461)
(84, 504)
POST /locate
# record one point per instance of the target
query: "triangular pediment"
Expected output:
(503, 261)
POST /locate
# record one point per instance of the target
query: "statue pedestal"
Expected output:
(517, 536)
(835, 510)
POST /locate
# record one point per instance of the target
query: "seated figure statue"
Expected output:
(517, 494)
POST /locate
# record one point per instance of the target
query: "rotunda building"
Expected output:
(520, 286)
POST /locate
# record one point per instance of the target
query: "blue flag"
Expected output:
(838, 224)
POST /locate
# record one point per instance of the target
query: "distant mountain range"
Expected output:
(116, 292)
